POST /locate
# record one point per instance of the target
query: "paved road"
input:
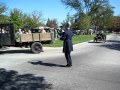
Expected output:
(96, 66)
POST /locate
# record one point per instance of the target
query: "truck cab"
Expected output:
(7, 34)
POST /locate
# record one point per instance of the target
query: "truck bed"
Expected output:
(34, 37)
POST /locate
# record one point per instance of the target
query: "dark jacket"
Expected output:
(67, 41)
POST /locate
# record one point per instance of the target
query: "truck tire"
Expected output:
(36, 47)
(0, 46)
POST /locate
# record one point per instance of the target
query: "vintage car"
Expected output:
(100, 37)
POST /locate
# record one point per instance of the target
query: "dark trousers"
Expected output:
(68, 58)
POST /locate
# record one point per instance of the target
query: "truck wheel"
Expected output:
(0, 46)
(36, 47)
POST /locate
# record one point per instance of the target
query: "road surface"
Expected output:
(96, 66)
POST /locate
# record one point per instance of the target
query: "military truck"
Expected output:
(34, 40)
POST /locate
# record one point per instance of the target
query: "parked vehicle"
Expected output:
(34, 40)
(76, 32)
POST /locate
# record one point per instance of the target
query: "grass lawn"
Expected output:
(76, 39)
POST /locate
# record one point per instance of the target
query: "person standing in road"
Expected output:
(67, 44)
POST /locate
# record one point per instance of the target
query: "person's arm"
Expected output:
(63, 36)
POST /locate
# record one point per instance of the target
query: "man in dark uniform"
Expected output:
(67, 44)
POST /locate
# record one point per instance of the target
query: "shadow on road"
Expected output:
(115, 45)
(95, 42)
(46, 64)
(15, 51)
(117, 41)
(11, 80)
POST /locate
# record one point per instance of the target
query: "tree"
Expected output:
(25, 21)
(101, 13)
(105, 22)
(116, 23)
(36, 18)
(85, 22)
(69, 20)
(32, 20)
(3, 9)
(96, 9)
(52, 23)
(16, 18)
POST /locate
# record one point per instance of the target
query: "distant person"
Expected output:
(67, 44)
(43, 30)
(3, 31)
(20, 32)
(29, 31)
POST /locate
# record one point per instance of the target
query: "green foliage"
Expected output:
(32, 20)
(3, 9)
(85, 22)
(36, 19)
(116, 23)
(82, 38)
(75, 4)
(99, 11)
(52, 23)
(15, 17)
(25, 21)
(4, 19)
(76, 39)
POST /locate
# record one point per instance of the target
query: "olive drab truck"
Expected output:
(34, 40)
